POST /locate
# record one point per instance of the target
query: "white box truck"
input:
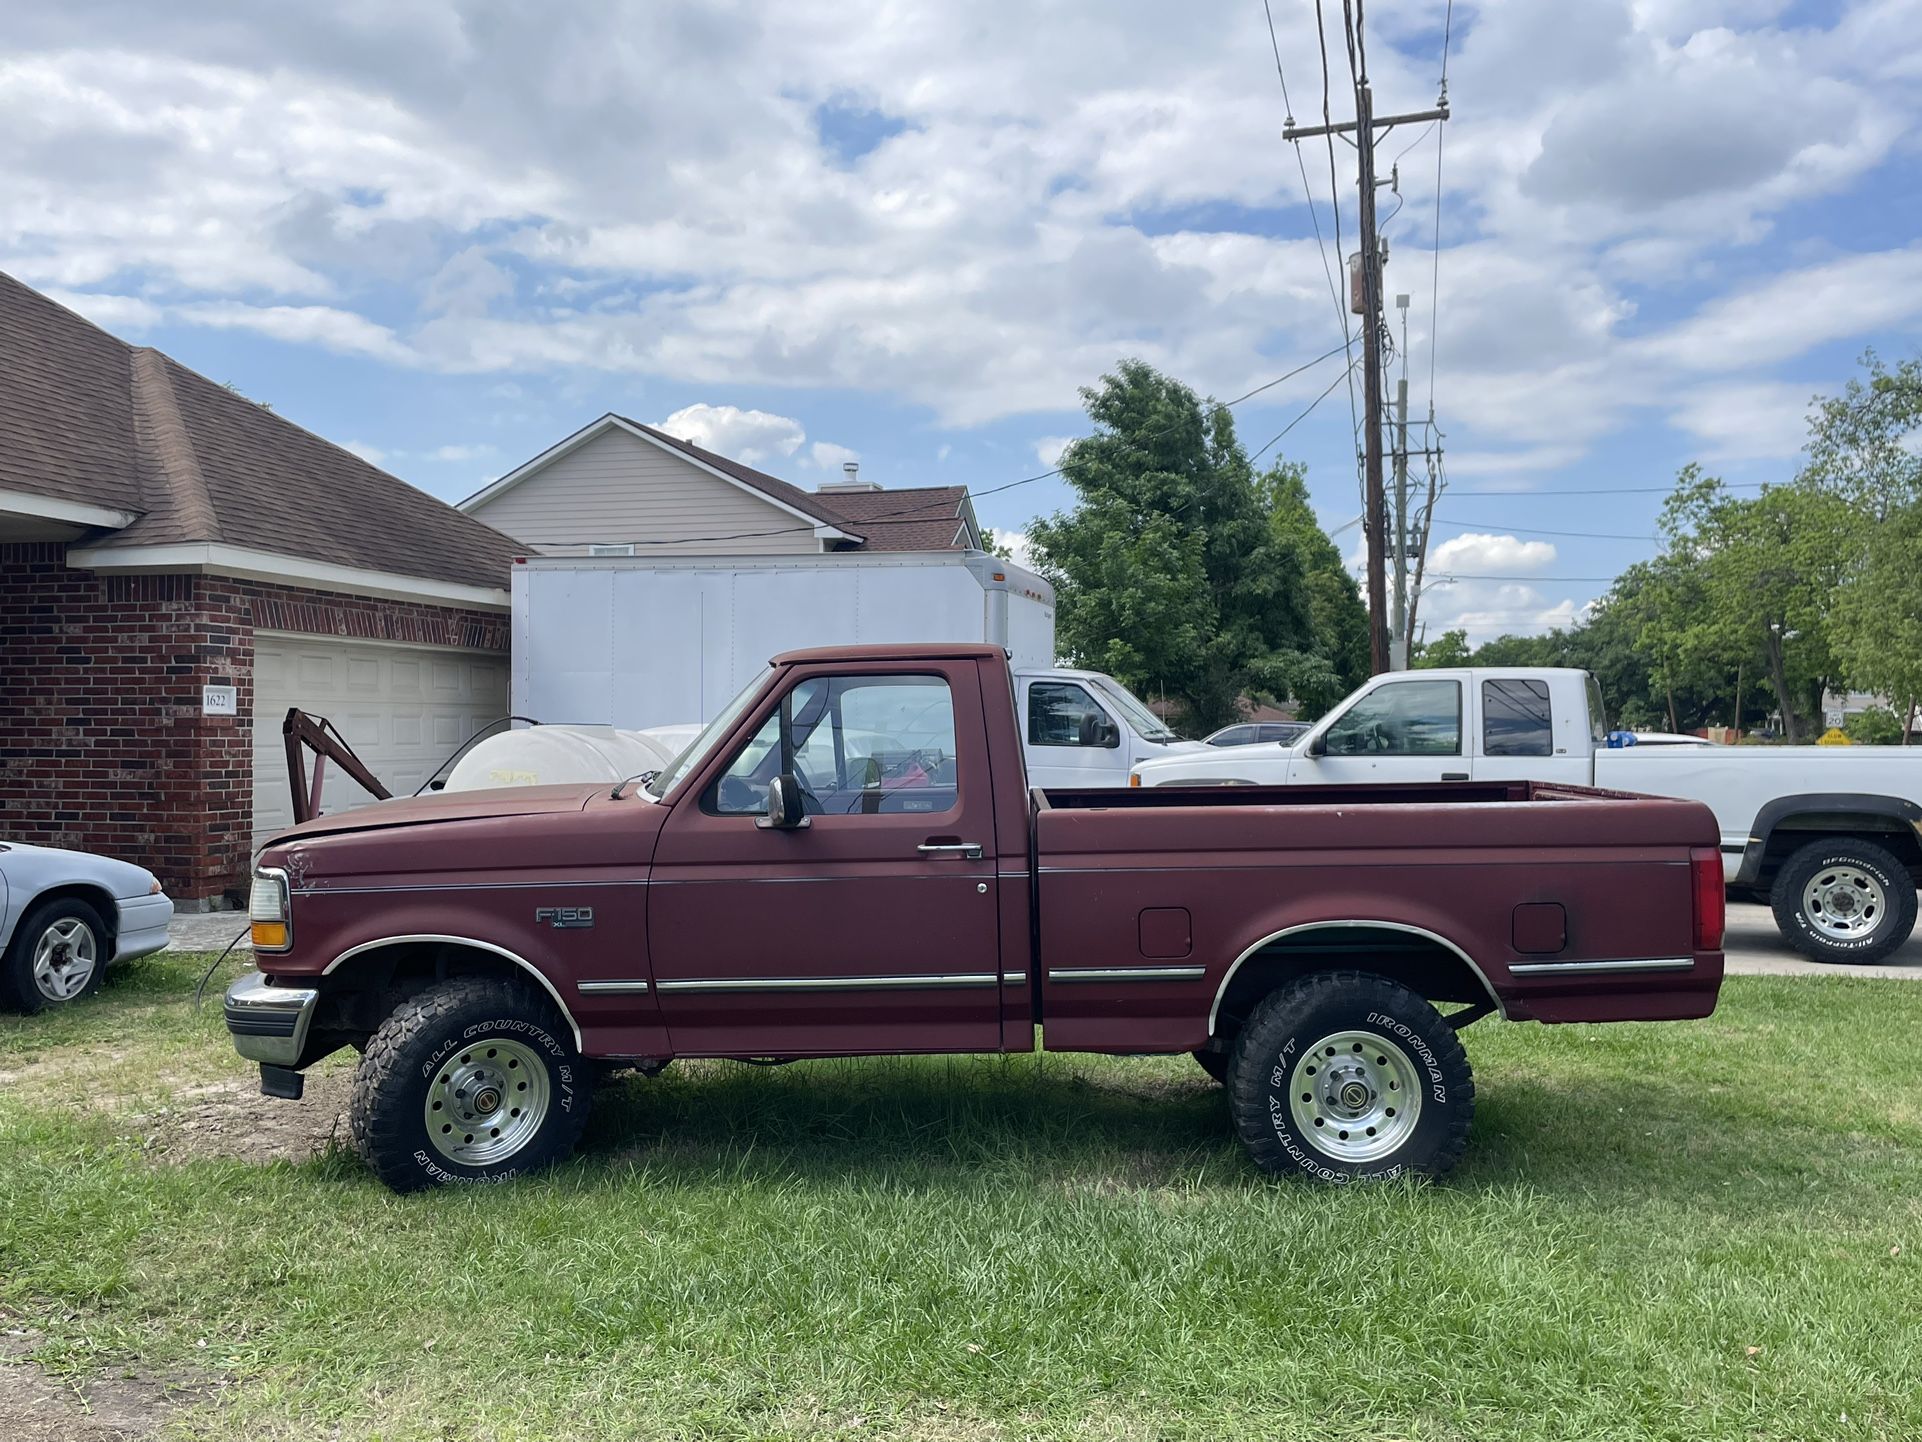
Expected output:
(645, 642)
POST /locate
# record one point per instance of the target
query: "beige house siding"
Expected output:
(618, 487)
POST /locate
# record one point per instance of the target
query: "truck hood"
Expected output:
(449, 806)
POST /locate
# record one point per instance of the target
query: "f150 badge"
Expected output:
(565, 918)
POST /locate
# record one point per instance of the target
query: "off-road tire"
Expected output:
(1288, 1030)
(1898, 890)
(18, 990)
(1215, 1063)
(412, 1049)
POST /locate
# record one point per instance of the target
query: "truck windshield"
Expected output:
(1141, 720)
(665, 780)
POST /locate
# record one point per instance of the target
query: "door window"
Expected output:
(1401, 718)
(1516, 719)
(858, 746)
(1057, 711)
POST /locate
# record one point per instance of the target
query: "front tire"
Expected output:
(1843, 899)
(1348, 1077)
(58, 954)
(468, 1081)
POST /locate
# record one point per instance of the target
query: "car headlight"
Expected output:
(271, 926)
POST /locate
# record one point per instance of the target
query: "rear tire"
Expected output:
(1842, 899)
(468, 1081)
(58, 954)
(1345, 1077)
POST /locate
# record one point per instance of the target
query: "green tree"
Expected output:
(1862, 450)
(1168, 573)
(1448, 649)
(1336, 610)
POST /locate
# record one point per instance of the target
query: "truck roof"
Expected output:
(921, 651)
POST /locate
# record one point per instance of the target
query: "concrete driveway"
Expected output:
(1755, 948)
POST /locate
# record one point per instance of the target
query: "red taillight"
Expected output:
(1711, 897)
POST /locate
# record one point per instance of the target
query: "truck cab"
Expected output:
(1084, 728)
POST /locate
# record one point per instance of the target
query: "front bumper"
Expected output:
(269, 1022)
(142, 926)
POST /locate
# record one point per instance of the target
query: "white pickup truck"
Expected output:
(1830, 837)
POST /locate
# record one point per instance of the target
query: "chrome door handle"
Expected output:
(967, 850)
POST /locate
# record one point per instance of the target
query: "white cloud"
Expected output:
(117, 313)
(830, 457)
(745, 436)
(1019, 548)
(1048, 449)
(318, 325)
(372, 454)
(459, 452)
(1480, 553)
(642, 189)
(1748, 420)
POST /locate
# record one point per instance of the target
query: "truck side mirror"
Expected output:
(1319, 746)
(784, 809)
(1098, 731)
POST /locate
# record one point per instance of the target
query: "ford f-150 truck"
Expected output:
(848, 860)
(1829, 837)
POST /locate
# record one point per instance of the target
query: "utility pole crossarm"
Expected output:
(1380, 122)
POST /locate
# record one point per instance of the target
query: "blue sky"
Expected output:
(449, 234)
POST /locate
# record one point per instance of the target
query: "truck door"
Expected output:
(1072, 739)
(1523, 737)
(873, 926)
(1403, 730)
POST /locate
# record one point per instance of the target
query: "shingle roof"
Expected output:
(84, 416)
(921, 518)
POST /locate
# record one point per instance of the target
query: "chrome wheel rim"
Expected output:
(1356, 1095)
(487, 1102)
(64, 959)
(1844, 902)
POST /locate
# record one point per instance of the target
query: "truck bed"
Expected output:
(1555, 921)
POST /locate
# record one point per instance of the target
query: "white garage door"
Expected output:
(404, 709)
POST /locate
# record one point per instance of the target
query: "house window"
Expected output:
(625, 549)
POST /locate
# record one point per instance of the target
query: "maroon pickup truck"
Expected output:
(849, 861)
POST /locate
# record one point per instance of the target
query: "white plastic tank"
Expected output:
(552, 755)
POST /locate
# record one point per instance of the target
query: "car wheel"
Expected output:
(59, 953)
(1348, 1077)
(1844, 899)
(468, 1081)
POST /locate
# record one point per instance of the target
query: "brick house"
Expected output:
(618, 487)
(163, 539)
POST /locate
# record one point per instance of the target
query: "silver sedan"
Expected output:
(65, 915)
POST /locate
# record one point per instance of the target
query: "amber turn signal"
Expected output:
(270, 935)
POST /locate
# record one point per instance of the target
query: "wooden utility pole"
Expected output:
(1365, 126)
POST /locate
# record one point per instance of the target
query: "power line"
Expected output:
(922, 511)
(1308, 194)
(1538, 531)
(1341, 252)
(1604, 491)
(1434, 275)
(1272, 440)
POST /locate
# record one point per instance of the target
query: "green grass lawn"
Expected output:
(1704, 1230)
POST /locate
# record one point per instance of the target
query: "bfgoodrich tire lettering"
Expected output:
(442, 1039)
(1348, 1077)
(1841, 899)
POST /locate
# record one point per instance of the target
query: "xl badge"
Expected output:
(565, 918)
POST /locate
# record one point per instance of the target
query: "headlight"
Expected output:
(267, 910)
